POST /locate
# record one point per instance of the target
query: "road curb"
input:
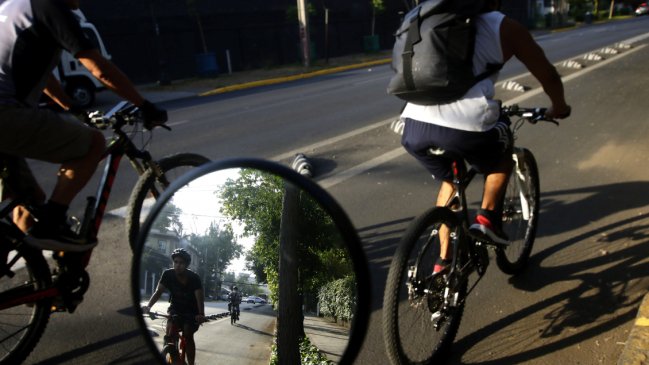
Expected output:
(302, 76)
(636, 349)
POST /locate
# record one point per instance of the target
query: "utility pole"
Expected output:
(303, 18)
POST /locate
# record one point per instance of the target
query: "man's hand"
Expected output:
(153, 116)
(558, 112)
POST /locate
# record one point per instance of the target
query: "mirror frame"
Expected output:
(347, 231)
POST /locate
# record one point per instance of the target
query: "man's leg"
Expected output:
(190, 345)
(496, 184)
(488, 222)
(74, 175)
(446, 192)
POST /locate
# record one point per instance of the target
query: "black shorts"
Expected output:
(184, 321)
(482, 150)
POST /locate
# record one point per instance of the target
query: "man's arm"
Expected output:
(108, 74)
(517, 41)
(54, 91)
(200, 301)
(154, 298)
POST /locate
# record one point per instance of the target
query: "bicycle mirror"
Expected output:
(301, 275)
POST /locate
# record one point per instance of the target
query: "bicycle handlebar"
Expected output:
(122, 114)
(532, 115)
(155, 315)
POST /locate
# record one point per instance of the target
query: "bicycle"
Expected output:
(422, 311)
(173, 349)
(29, 292)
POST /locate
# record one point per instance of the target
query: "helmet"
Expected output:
(235, 288)
(183, 255)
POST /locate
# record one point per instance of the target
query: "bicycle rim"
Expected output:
(21, 326)
(520, 214)
(419, 326)
(149, 186)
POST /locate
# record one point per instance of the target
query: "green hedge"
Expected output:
(309, 354)
(337, 299)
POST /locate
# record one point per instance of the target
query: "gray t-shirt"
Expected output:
(32, 35)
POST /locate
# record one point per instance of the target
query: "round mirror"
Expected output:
(262, 257)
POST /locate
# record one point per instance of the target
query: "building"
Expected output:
(156, 257)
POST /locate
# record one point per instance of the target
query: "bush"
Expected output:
(309, 354)
(338, 299)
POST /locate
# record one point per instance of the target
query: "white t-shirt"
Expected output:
(476, 111)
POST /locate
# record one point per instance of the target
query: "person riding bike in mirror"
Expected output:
(32, 35)
(186, 297)
(234, 299)
(471, 126)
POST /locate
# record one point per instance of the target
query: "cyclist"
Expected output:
(186, 297)
(471, 128)
(32, 35)
(234, 299)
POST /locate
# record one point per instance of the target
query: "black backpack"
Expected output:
(433, 52)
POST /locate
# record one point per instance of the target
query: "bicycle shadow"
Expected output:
(379, 243)
(603, 261)
(253, 330)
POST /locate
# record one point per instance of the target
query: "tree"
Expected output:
(217, 248)
(377, 8)
(255, 198)
(192, 8)
(168, 220)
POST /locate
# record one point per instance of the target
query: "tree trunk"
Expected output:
(200, 31)
(290, 325)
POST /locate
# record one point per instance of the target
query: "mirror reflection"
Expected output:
(259, 263)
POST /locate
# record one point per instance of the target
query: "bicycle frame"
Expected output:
(462, 177)
(176, 339)
(93, 217)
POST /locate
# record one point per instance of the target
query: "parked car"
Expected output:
(260, 300)
(250, 300)
(642, 9)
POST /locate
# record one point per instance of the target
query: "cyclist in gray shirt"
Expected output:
(32, 35)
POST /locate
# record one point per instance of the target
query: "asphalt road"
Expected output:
(576, 302)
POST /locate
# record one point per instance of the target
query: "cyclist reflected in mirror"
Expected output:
(258, 242)
(187, 309)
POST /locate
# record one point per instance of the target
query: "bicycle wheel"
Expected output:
(21, 326)
(150, 185)
(520, 213)
(422, 312)
(170, 355)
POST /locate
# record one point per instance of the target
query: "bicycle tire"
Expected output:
(170, 355)
(148, 183)
(22, 326)
(410, 334)
(521, 199)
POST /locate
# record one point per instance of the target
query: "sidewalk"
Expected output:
(223, 83)
(330, 338)
(636, 349)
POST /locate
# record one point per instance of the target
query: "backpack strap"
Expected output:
(412, 37)
(492, 68)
